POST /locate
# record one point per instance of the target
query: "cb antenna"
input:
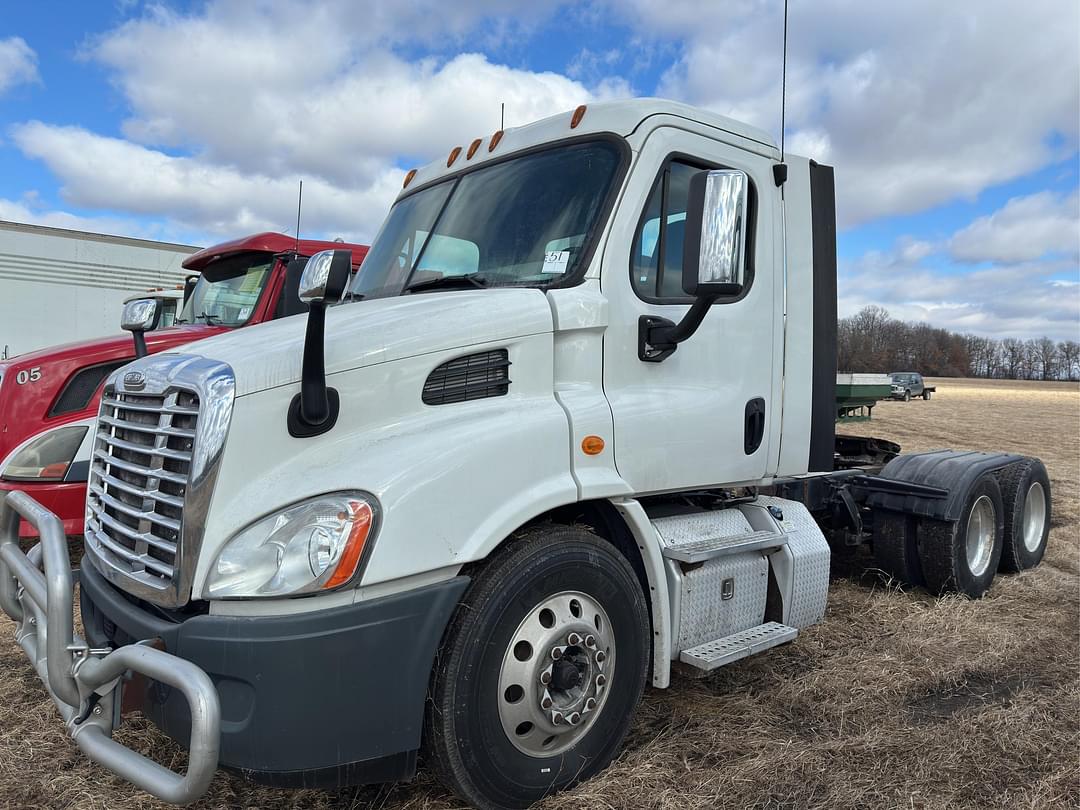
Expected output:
(780, 169)
(299, 202)
(502, 115)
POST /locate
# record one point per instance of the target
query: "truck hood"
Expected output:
(366, 333)
(117, 347)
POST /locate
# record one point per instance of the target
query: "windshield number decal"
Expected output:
(28, 375)
(555, 261)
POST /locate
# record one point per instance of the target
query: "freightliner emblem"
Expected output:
(134, 381)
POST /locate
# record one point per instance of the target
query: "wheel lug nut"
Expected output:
(545, 677)
(590, 704)
(556, 653)
(601, 656)
(590, 642)
(556, 717)
(545, 703)
(573, 639)
(574, 719)
(601, 680)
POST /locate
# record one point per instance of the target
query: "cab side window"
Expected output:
(657, 259)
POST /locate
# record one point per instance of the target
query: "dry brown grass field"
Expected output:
(897, 699)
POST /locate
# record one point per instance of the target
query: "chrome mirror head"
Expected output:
(140, 315)
(325, 277)
(716, 224)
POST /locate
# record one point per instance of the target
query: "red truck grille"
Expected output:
(139, 473)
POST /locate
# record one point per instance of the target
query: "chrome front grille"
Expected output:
(140, 470)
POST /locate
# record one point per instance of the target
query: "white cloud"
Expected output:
(1025, 228)
(18, 63)
(101, 172)
(231, 105)
(915, 103)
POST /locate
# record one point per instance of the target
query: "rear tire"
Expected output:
(962, 556)
(488, 730)
(926, 395)
(1025, 491)
(895, 550)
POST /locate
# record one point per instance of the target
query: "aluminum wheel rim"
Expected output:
(1034, 516)
(555, 674)
(980, 535)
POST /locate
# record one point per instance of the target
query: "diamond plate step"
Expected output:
(707, 549)
(716, 653)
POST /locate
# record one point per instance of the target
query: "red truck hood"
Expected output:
(27, 399)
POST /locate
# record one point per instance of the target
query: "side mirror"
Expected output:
(714, 258)
(325, 277)
(716, 214)
(140, 316)
(315, 409)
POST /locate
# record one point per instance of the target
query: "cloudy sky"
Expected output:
(953, 126)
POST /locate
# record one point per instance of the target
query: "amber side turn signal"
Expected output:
(592, 445)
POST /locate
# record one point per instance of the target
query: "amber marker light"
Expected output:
(592, 445)
(453, 156)
(354, 547)
(495, 140)
(472, 148)
(408, 178)
(579, 113)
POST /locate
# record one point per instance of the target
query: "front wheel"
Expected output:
(540, 669)
(907, 396)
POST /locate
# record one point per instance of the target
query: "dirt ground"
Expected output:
(897, 699)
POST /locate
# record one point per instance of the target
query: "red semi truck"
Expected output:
(49, 399)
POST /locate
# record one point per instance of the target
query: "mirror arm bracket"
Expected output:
(659, 337)
(139, 337)
(315, 409)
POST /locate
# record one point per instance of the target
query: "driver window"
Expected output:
(658, 246)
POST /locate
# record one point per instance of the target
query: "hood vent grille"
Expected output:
(474, 376)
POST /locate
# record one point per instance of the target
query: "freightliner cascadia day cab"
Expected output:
(49, 399)
(573, 428)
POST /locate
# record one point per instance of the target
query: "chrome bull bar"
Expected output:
(85, 683)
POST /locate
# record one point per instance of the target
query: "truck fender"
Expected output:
(952, 470)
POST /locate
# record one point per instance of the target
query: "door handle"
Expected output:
(754, 425)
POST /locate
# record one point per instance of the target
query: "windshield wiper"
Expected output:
(469, 280)
(208, 318)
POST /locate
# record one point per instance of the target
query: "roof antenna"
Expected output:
(780, 169)
(502, 116)
(299, 202)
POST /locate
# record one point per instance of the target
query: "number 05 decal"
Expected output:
(28, 375)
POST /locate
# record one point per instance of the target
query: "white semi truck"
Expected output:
(573, 429)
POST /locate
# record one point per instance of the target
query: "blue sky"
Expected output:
(953, 127)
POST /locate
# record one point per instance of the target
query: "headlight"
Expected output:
(47, 457)
(314, 545)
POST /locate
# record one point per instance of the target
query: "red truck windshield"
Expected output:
(228, 290)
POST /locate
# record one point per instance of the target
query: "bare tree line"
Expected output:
(873, 341)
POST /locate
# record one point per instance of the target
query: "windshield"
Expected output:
(228, 290)
(903, 378)
(523, 222)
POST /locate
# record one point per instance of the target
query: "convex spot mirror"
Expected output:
(325, 277)
(716, 220)
(140, 315)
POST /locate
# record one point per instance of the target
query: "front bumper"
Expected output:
(65, 499)
(318, 699)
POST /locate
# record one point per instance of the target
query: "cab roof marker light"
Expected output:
(579, 113)
(472, 148)
(409, 178)
(453, 156)
(495, 140)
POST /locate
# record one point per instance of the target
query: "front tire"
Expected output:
(540, 670)
(907, 396)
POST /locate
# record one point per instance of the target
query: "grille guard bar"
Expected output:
(83, 682)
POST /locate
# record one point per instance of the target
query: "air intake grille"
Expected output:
(81, 387)
(474, 376)
(139, 474)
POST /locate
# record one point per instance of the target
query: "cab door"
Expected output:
(707, 415)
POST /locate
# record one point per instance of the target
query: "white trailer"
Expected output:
(573, 430)
(60, 286)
